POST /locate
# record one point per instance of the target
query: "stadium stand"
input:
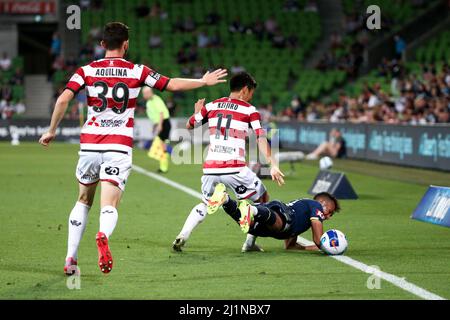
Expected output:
(185, 38)
(11, 87)
(184, 42)
(415, 92)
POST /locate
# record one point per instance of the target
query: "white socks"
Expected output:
(251, 239)
(77, 225)
(197, 215)
(108, 220)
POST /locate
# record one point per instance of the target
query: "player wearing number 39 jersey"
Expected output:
(229, 120)
(112, 86)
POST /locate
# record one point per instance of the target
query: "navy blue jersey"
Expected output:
(298, 215)
(303, 211)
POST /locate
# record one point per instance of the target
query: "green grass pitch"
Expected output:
(38, 190)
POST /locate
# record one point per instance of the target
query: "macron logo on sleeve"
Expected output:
(320, 214)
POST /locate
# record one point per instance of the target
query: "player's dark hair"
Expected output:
(114, 35)
(330, 197)
(241, 80)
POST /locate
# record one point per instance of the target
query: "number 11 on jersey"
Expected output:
(219, 125)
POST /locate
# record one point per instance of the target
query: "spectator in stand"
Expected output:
(85, 4)
(312, 113)
(99, 52)
(311, 6)
(212, 18)
(258, 30)
(291, 6)
(171, 105)
(55, 46)
(189, 25)
(6, 92)
(5, 62)
(155, 41)
(198, 70)
(156, 11)
(95, 33)
(400, 47)
(17, 78)
(288, 114)
(215, 40)
(19, 108)
(236, 68)
(278, 40)
(352, 23)
(236, 26)
(203, 40)
(266, 113)
(336, 41)
(271, 26)
(297, 105)
(7, 110)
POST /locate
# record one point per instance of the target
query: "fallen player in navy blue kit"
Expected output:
(284, 221)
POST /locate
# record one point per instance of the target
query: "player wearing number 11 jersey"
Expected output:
(229, 120)
(112, 86)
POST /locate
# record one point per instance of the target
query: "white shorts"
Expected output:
(245, 184)
(114, 167)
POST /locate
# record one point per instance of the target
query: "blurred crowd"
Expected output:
(412, 98)
(9, 106)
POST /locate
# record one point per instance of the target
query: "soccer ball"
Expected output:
(325, 163)
(333, 242)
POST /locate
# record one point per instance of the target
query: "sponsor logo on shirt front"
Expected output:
(105, 123)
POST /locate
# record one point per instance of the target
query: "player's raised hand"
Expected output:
(46, 138)
(277, 175)
(215, 77)
(199, 105)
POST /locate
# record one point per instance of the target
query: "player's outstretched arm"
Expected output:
(317, 231)
(291, 244)
(58, 114)
(275, 172)
(208, 79)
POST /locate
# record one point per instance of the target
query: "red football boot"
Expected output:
(105, 260)
(70, 268)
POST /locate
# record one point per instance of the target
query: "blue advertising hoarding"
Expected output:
(418, 146)
(434, 206)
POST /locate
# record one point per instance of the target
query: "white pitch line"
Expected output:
(396, 281)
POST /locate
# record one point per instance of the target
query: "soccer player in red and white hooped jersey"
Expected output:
(112, 86)
(229, 120)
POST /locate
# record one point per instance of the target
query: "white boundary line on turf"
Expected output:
(397, 281)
